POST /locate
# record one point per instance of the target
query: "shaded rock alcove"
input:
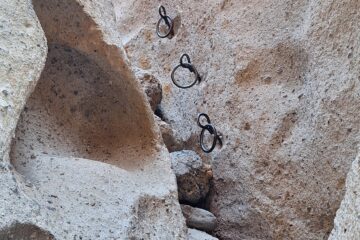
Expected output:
(86, 104)
(77, 111)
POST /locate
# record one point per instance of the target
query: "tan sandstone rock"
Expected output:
(86, 161)
(280, 80)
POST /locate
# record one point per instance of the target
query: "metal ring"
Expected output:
(162, 11)
(191, 69)
(212, 130)
(170, 27)
(206, 117)
(168, 21)
(187, 58)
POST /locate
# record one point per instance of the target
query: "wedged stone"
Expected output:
(192, 176)
(198, 218)
(170, 137)
(194, 234)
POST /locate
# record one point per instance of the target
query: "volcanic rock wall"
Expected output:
(280, 80)
(81, 156)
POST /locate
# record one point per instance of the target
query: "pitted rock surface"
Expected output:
(280, 79)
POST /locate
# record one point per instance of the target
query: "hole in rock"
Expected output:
(86, 103)
(25, 232)
(77, 110)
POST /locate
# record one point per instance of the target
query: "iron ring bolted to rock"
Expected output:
(191, 68)
(168, 21)
(212, 130)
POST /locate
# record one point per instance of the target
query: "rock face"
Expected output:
(80, 153)
(280, 80)
(20, 71)
(346, 224)
(199, 218)
(81, 156)
(193, 178)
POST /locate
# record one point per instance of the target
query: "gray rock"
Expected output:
(194, 234)
(198, 218)
(193, 178)
(170, 138)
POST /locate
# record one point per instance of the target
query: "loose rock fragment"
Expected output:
(199, 218)
(171, 141)
(192, 176)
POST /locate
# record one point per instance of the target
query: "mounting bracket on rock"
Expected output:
(212, 130)
(191, 68)
(168, 21)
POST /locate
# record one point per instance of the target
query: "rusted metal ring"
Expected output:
(187, 58)
(191, 68)
(206, 117)
(212, 130)
(162, 11)
(168, 21)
